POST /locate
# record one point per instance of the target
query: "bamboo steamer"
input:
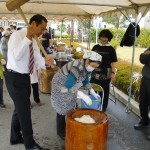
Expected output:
(46, 79)
(80, 136)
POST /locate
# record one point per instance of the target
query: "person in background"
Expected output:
(23, 55)
(1, 30)
(35, 85)
(4, 45)
(66, 83)
(2, 63)
(105, 73)
(8, 29)
(12, 28)
(144, 98)
(45, 40)
(51, 32)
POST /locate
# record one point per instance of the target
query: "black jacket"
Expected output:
(47, 36)
(0, 35)
(129, 36)
(145, 59)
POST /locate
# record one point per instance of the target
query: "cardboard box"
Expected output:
(61, 48)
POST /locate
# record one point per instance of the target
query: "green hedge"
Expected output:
(123, 76)
(144, 38)
(65, 36)
(117, 34)
(141, 41)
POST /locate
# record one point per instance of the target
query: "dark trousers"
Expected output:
(1, 92)
(35, 87)
(105, 85)
(61, 125)
(145, 100)
(18, 86)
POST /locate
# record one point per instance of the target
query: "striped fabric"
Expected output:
(31, 59)
(74, 68)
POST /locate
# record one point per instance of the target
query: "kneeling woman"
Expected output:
(67, 81)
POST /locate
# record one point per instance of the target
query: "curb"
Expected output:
(122, 97)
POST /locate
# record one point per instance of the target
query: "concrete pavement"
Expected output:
(122, 135)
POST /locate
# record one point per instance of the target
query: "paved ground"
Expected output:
(121, 136)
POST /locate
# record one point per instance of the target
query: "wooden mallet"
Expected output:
(16, 4)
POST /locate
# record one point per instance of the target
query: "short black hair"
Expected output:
(38, 19)
(106, 33)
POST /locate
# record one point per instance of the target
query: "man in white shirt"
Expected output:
(18, 79)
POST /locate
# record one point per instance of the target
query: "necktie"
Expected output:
(31, 59)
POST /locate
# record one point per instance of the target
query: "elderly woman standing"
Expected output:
(106, 71)
(65, 85)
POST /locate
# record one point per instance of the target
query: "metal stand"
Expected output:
(114, 94)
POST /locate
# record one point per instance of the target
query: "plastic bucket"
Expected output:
(95, 103)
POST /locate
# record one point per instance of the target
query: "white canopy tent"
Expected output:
(74, 8)
(59, 9)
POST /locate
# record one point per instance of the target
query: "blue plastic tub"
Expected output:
(96, 104)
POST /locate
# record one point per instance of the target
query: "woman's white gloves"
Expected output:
(84, 97)
(3, 61)
(92, 92)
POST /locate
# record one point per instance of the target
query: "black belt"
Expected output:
(9, 70)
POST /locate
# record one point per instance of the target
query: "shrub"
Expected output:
(114, 44)
(123, 76)
(144, 38)
(117, 34)
(141, 41)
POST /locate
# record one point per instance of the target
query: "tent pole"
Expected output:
(89, 35)
(96, 31)
(61, 30)
(72, 32)
(128, 107)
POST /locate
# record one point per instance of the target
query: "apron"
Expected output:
(64, 102)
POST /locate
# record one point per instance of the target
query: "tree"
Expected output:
(68, 29)
(61, 27)
(111, 20)
(84, 25)
(83, 28)
(123, 22)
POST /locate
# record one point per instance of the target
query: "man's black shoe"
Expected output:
(140, 126)
(148, 137)
(37, 147)
(17, 142)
